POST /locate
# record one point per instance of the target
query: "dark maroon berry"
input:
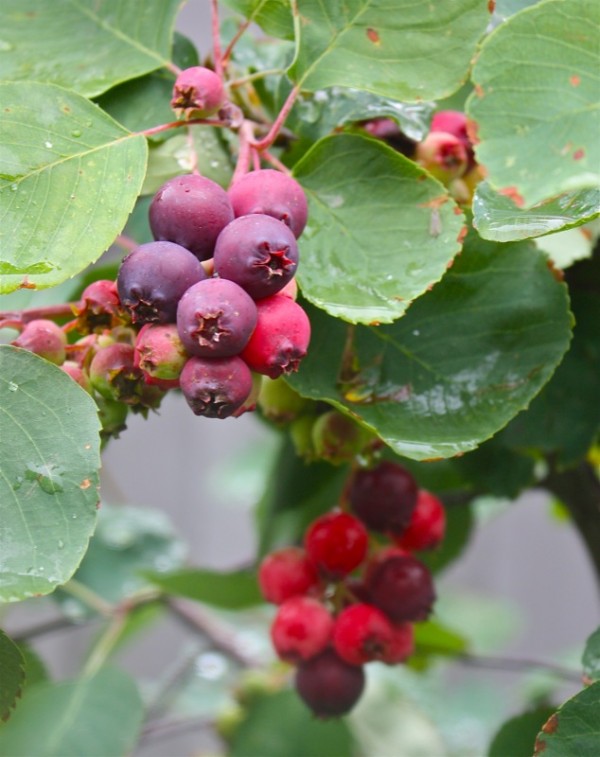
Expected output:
(152, 279)
(336, 543)
(402, 588)
(198, 91)
(383, 497)
(191, 211)
(280, 339)
(258, 253)
(273, 193)
(44, 338)
(215, 387)
(215, 318)
(329, 686)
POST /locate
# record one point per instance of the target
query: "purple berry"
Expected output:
(152, 279)
(329, 685)
(215, 318)
(199, 91)
(383, 497)
(215, 387)
(402, 588)
(257, 252)
(191, 211)
(273, 193)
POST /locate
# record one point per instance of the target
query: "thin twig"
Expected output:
(18, 318)
(268, 140)
(216, 39)
(517, 665)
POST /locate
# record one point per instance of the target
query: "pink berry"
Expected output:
(286, 573)
(44, 338)
(99, 307)
(301, 629)
(159, 352)
(443, 155)
(362, 633)
(328, 685)
(427, 524)
(336, 543)
(198, 91)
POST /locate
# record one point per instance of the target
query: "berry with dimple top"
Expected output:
(402, 588)
(115, 377)
(443, 155)
(215, 318)
(328, 685)
(301, 629)
(159, 351)
(454, 122)
(44, 338)
(336, 543)
(215, 387)
(192, 211)
(257, 252)
(362, 633)
(198, 91)
(99, 307)
(273, 193)
(383, 497)
(76, 372)
(286, 573)
(152, 279)
(427, 524)
(280, 339)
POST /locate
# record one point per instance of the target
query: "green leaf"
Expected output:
(89, 717)
(229, 591)
(574, 730)
(85, 45)
(434, 639)
(49, 461)
(35, 670)
(459, 365)
(563, 419)
(281, 726)
(69, 177)
(273, 16)
(387, 48)
(380, 229)
(496, 217)
(536, 102)
(506, 8)
(517, 735)
(494, 468)
(12, 678)
(591, 657)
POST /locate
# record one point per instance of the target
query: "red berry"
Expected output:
(402, 645)
(99, 307)
(301, 629)
(443, 155)
(383, 497)
(427, 524)
(336, 543)
(402, 588)
(198, 91)
(362, 633)
(328, 685)
(280, 339)
(286, 573)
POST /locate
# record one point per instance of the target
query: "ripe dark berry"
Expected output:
(215, 387)
(301, 629)
(427, 524)
(258, 253)
(328, 685)
(192, 211)
(402, 588)
(286, 573)
(280, 339)
(99, 307)
(273, 193)
(198, 91)
(336, 543)
(215, 318)
(44, 338)
(152, 279)
(159, 351)
(383, 497)
(362, 633)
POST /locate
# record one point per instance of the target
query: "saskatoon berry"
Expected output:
(338, 438)
(192, 211)
(454, 122)
(362, 633)
(301, 629)
(215, 318)
(328, 685)
(76, 372)
(286, 573)
(280, 339)
(99, 307)
(44, 338)
(215, 387)
(198, 90)
(402, 588)
(152, 279)
(443, 155)
(115, 377)
(279, 403)
(383, 497)
(159, 352)
(273, 193)
(427, 524)
(258, 253)
(402, 645)
(336, 543)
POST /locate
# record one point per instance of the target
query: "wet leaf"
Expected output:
(574, 730)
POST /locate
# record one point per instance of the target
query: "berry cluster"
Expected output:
(343, 603)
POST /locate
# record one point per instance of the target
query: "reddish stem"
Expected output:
(268, 140)
(179, 124)
(229, 49)
(246, 135)
(270, 158)
(16, 319)
(126, 243)
(216, 38)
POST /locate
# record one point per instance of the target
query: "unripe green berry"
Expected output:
(279, 403)
(337, 438)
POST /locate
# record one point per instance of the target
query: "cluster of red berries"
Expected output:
(343, 603)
